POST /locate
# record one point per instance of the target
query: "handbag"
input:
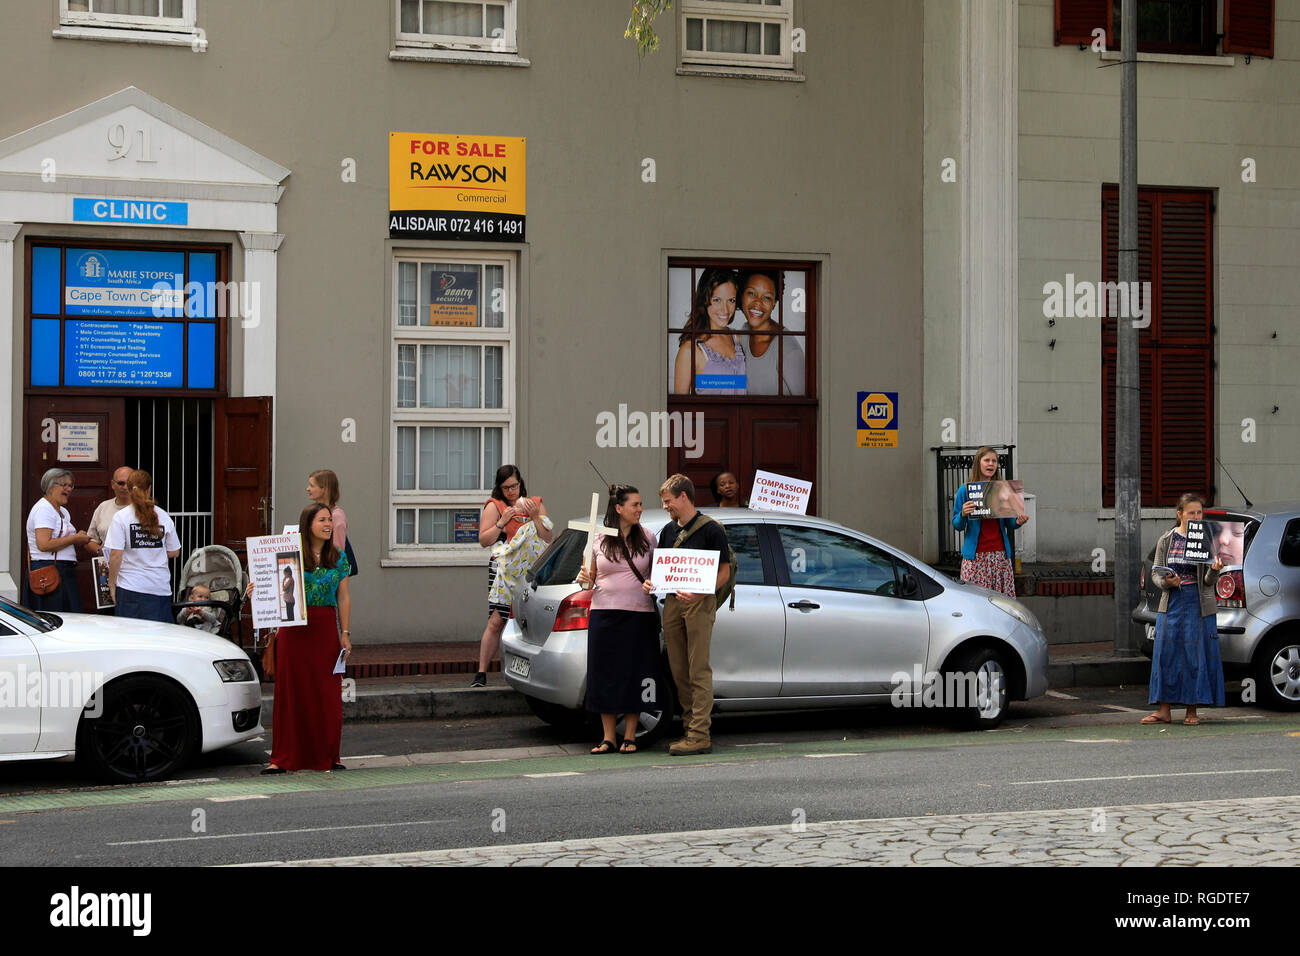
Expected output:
(268, 655)
(352, 558)
(43, 581)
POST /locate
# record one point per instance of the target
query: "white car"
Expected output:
(134, 700)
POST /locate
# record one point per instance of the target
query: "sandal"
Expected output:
(627, 747)
(1154, 719)
(267, 771)
(1191, 721)
(604, 747)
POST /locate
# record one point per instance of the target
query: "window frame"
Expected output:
(783, 564)
(509, 39)
(504, 417)
(186, 23)
(781, 14)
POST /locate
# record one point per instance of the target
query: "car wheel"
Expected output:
(978, 683)
(555, 714)
(147, 729)
(653, 724)
(1277, 672)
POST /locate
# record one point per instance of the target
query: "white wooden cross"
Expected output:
(593, 527)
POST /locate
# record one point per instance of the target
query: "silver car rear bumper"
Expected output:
(557, 670)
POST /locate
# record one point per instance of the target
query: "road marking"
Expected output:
(181, 783)
(363, 757)
(1125, 710)
(1098, 740)
(773, 743)
(558, 773)
(485, 760)
(820, 756)
(1146, 776)
(233, 836)
(1059, 696)
(249, 796)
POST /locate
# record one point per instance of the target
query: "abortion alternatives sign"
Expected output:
(779, 493)
(681, 569)
(446, 186)
(275, 567)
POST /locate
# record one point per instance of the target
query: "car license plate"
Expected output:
(518, 665)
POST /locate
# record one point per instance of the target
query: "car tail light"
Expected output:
(1231, 589)
(574, 612)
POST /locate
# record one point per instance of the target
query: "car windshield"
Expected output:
(26, 616)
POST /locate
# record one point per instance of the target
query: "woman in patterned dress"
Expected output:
(307, 720)
(986, 549)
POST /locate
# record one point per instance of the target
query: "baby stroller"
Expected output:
(218, 569)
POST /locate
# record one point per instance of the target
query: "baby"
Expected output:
(204, 618)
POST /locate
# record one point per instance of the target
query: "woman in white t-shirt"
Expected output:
(140, 540)
(52, 541)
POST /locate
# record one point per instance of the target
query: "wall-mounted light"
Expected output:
(1053, 408)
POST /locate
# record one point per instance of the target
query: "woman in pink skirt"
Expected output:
(986, 549)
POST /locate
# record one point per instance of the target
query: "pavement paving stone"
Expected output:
(1262, 831)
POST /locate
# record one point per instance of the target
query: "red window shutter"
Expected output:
(1248, 27)
(1183, 384)
(1076, 19)
(1174, 353)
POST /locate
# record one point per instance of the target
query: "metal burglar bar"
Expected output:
(171, 438)
(952, 465)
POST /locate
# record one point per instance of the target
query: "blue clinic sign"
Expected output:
(123, 282)
(130, 210)
(111, 352)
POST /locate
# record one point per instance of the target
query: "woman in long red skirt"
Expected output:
(307, 720)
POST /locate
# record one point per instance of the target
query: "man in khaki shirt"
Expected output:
(103, 516)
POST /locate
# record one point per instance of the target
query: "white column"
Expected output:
(11, 401)
(260, 330)
(989, 182)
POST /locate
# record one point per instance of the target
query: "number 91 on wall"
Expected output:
(877, 419)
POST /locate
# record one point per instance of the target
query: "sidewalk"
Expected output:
(431, 681)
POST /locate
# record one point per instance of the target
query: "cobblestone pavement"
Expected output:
(1262, 831)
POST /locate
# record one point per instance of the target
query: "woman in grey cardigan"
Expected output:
(1185, 665)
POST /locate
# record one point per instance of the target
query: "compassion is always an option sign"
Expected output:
(779, 493)
(681, 569)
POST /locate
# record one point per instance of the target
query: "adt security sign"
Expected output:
(877, 419)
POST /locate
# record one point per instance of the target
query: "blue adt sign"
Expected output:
(130, 210)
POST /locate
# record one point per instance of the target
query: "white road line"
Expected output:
(1146, 776)
(1059, 696)
(232, 836)
(363, 757)
(820, 756)
(1126, 710)
(559, 773)
(189, 780)
(1097, 740)
(250, 796)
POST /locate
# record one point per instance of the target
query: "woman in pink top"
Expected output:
(323, 489)
(623, 630)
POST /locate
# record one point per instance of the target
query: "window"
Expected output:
(738, 32)
(455, 25)
(823, 559)
(743, 539)
(452, 396)
(1289, 552)
(171, 15)
(1188, 27)
(1175, 353)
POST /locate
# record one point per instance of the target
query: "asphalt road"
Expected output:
(1060, 753)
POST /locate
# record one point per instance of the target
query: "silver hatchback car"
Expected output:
(824, 617)
(1258, 595)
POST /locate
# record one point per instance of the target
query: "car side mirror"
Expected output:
(910, 587)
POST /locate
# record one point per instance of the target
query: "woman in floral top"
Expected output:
(307, 720)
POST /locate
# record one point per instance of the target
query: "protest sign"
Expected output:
(778, 493)
(681, 569)
(275, 568)
(997, 499)
(1199, 547)
(103, 594)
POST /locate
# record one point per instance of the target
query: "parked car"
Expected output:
(1259, 599)
(824, 617)
(134, 700)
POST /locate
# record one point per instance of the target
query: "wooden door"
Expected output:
(92, 447)
(242, 470)
(780, 437)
